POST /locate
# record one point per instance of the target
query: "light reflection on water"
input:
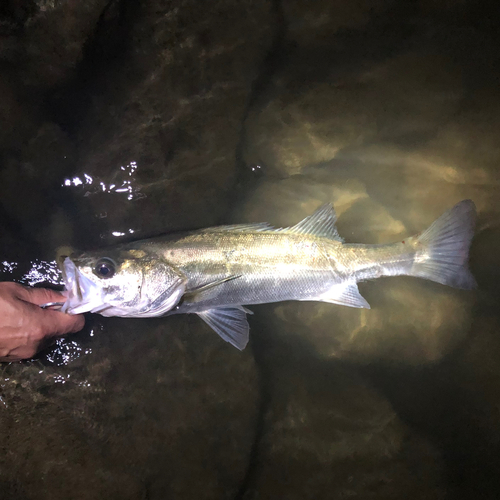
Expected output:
(119, 233)
(122, 182)
(64, 352)
(43, 272)
(40, 271)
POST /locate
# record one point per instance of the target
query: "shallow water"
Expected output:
(157, 117)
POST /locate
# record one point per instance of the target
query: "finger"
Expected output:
(39, 296)
(18, 354)
(55, 323)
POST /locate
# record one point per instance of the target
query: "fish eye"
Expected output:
(105, 268)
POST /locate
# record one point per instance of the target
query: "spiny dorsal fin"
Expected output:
(321, 223)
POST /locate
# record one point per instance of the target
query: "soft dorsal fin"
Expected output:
(321, 223)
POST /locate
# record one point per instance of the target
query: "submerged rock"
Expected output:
(400, 99)
(329, 434)
(158, 142)
(55, 34)
(44, 41)
(160, 409)
(151, 98)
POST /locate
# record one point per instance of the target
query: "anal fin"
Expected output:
(345, 294)
(229, 323)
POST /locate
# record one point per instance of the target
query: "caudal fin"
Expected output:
(446, 248)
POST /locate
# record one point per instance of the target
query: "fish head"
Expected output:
(123, 282)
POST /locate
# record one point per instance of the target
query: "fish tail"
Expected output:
(445, 253)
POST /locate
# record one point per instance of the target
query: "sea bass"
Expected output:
(214, 272)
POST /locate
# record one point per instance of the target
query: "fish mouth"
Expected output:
(82, 294)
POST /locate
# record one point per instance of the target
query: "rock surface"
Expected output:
(157, 410)
(328, 433)
(169, 119)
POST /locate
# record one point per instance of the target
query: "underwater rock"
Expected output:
(484, 254)
(327, 433)
(399, 100)
(33, 174)
(54, 34)
(409, 322)
(158, 142)
(317, 22)
(455, 403)
(392, 146)
(160, 409)
(476, 374)
(17, 120)
(391, 128)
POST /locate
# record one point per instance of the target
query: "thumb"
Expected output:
(39, 296)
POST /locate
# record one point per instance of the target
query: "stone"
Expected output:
(390, 164)
(54, 38)
(398, 100)
(327, 433)
(318, 22)
(157, 144)
(156, 409)
(34, 174)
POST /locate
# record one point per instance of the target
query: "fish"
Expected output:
(216, 272)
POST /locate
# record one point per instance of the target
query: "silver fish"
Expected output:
(214, 272)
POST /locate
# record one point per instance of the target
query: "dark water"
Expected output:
(122, 120)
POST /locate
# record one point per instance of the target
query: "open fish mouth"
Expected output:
(82, 294)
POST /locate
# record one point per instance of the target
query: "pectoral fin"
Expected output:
(230, 323)
(198, 294)
(345, 294)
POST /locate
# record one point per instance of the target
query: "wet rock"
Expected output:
(34, 175)
(317, 22)
(170, 115)
(53, 41)
(400, 99)
(329, 434)
(17, 121)
(455, 403)
(161, 409)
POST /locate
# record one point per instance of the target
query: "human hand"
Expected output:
(24, 325)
